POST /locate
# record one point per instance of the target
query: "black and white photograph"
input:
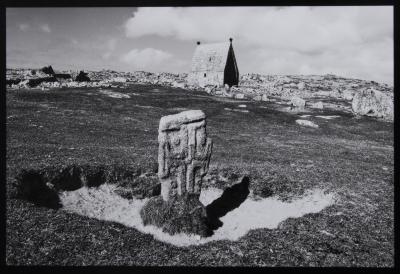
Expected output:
(208, 136)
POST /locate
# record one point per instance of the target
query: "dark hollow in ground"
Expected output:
(230, 199)
(33, 188)
(41, 186)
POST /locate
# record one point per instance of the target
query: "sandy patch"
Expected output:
(103, 204)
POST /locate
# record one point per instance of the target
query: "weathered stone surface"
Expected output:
(348, 94)
(373, 103)
(173, 122)
(306, 123)
(183, 158)
(239, 96)
(301, 85)
(298, 102)
(184, 153)
(319, 105)
(264, 97)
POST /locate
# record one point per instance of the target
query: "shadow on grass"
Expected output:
(230, 199)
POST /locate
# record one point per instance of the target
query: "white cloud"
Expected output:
(145, 58)
(45, 28)
(347, 40)
(23, 27)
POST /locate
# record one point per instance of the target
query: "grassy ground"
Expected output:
(351, 156)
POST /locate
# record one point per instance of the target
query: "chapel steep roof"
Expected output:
(210, 57)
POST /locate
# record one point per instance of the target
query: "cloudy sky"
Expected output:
(347, 41)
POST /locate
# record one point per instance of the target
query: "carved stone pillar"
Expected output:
(184, 153)
(183, 157)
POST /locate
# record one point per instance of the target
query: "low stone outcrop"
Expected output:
(298, 102)
(374, 103)
(306, 123)
(318, 105)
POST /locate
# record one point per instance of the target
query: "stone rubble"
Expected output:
(251, 86)
(306, 123)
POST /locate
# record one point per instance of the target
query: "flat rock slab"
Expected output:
(306, 123)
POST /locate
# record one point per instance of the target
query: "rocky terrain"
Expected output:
(373, 99)
(79, 140)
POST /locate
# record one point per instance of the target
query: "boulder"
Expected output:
(301, 85)
(176, 84)
(264, 97)
(298, 102)
(374, 103)
(239, 96)
(306, 123)
(208, 90)
(226, 87)
(348, 94)
(319, 105)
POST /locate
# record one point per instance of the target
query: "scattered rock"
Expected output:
(327, 117)
(348, 94)
(318, 105)
(374, 103)
(301, 85)
(264, 97)
(176, 84)
(227, 88)
(298, 102)
(241, 110)
(119, 79)
(306, 123)
(239, 96)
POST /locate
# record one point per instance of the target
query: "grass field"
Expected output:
(350, 156)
